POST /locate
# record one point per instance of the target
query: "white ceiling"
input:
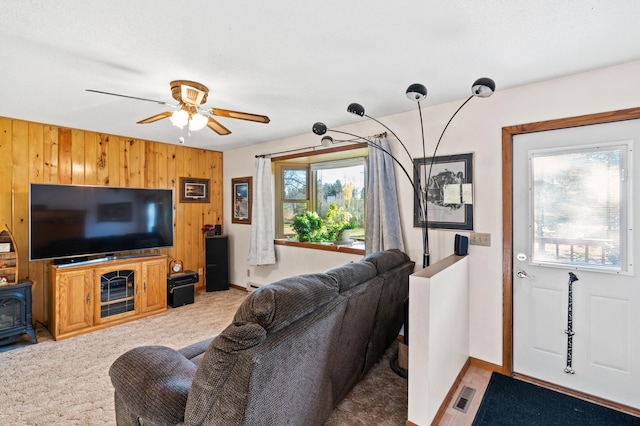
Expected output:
(295, 61)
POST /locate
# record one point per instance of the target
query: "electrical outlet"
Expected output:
(480, 239)
(200, 271)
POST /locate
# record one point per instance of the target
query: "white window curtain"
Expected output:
(261, 247)
(383, 230)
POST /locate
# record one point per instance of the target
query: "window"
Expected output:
(315, 182)
(579, 207)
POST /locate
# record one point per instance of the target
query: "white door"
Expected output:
(574, 213)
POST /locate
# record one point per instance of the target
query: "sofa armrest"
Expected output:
(196, 349)
(153, 382)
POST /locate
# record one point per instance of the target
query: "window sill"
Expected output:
(356, 248)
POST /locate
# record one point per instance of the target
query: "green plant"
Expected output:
(308, 227)
(352, 224)
(338, 219)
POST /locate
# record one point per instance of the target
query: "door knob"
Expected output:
(522, 274)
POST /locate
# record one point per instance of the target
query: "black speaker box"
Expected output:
(461, 245)
(217, 229)
(180, 296)
(217, 258)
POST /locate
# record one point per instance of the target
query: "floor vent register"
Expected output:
(464, 399)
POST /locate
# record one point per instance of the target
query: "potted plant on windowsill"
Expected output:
(308, 227)
(339, 224)
(346, 227)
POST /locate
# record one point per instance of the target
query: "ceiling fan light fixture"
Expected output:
(179, 118)
(190, 95)
(197, 122)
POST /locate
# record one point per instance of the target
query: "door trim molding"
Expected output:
(507, 207)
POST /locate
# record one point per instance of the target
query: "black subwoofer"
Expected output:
(180, 296)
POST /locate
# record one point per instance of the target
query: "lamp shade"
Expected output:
(483, 87)
(326, 141)
(356, 109)
(197, 122)
(417, 92)
(319, 128)
(179, 118)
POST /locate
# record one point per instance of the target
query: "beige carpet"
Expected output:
(67, 382)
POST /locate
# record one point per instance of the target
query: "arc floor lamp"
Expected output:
(481, 88)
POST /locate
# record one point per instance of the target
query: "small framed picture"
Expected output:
(241, 203)
(193, 190)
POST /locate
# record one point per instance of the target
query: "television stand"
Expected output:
(99, 293)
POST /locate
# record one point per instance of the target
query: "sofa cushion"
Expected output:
(350, 275)
(279, 304)
(386, 260)
(216, 367)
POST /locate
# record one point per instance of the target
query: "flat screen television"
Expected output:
(78, 221)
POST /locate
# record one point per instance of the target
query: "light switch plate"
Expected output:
(480, 239)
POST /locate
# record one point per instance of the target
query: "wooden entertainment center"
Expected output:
(93, 295)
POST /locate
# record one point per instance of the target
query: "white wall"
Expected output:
(439, 334)
(477, 129)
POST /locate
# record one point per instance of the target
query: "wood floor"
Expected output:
(475, 378)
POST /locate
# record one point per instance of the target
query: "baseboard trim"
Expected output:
(239, 287)
(489, 366)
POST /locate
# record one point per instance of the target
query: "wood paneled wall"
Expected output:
(34, 152)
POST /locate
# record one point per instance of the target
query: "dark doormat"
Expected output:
(512, 402)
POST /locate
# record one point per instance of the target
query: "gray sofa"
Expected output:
(294, 349)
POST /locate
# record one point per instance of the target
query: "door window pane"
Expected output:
(578, 208)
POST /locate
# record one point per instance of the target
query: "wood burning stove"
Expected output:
(15, 312)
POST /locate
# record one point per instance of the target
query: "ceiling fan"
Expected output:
(190, 95)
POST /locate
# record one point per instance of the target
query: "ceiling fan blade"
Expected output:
(130, 97)
(156, 117)
(217, 127)
(240, 115)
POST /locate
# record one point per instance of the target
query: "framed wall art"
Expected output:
(449, 197)
(194, 190)
(241, 202)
